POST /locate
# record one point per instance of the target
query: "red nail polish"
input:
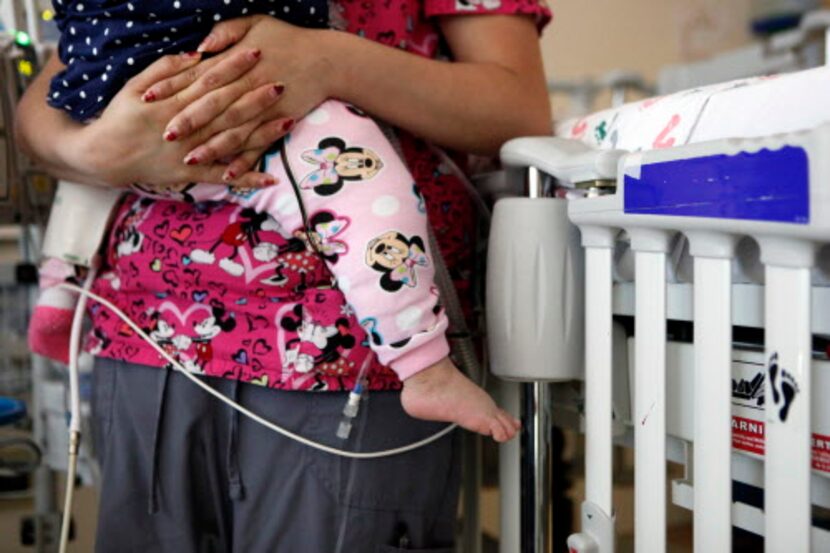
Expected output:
(192, 160)
(170, 136)
(205, 43)
(256, 54)
(229, 175)
(193, 54)
(278, 89)
(288, 125)
(149, 96)
(267, 181)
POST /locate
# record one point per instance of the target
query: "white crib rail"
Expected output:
(788, 253)
(788, 249)
(713, 380)
(598, 509)
(787, 429)
(650, 247)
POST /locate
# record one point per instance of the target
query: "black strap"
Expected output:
(303, 212)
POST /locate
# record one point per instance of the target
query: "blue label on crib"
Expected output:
(769, 185)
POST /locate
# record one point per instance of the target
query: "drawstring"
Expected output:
(236, 489)
(152, 507)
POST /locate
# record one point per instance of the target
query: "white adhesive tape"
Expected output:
(633, 165)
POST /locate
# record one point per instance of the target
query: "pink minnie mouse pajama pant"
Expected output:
(344, 190)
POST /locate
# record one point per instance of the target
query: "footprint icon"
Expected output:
(784, 388)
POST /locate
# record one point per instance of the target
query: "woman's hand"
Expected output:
(291, 56)
(125, 143)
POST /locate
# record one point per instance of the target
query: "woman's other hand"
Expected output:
(124, 145)
(292, 60)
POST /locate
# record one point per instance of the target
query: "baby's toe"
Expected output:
(508, 423)
(498, 431)
(475, 423)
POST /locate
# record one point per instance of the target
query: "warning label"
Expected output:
(748, 435)
(821, 452)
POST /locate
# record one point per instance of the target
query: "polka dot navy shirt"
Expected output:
(105, 42)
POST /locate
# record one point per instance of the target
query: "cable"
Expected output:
(253, 416)
(75, 408)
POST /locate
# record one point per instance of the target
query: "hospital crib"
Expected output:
(709, 206)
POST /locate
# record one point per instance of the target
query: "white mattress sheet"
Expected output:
(745, 108)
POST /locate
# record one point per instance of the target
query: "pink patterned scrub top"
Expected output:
(195, 274)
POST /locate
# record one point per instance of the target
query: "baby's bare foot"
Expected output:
(443, 393)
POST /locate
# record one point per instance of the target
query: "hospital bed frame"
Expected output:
(790, 222)
(700, 439)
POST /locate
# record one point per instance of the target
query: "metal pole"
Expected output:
(536, 477)
(510, 463)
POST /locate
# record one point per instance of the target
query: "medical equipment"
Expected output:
(667, 167)
(87, 213)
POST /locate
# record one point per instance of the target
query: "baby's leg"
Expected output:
(51, 323)
(360, 211)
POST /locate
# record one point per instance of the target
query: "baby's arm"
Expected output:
(367, 220)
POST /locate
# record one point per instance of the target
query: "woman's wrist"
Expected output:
(77, 153)
(63, 151)
(335, 50)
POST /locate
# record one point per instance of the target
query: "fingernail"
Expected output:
(170, 135)
(191, 159)
(267, 181)
(205, 43)
(193, 54)
(288, 125)
(149, 96)
(228, 176)
(254, 54)
(277, 90)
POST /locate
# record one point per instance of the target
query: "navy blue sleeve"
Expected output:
(106, 42)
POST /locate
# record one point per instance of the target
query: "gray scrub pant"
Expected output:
(183, 473)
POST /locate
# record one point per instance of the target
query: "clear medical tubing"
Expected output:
(75, 409)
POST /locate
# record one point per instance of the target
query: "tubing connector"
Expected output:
(74, 442)
(350, 411)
